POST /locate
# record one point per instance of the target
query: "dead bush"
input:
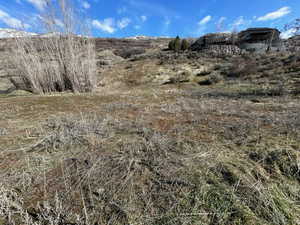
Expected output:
(242, 67)
(61, 62)
(137, 178)
(128, 53)
(136, 175)
(67, 132)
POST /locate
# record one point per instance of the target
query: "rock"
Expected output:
(107, 57)
(162, 79)
(187, 73)
(171, 76)
(203, 70)
(213, 78)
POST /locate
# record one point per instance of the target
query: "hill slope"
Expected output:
(167, 138)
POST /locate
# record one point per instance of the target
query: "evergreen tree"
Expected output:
(172, 45)
(185, 45)
(177, 44)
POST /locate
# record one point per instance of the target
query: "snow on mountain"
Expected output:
(142, 37)
(11, 33)
(51, 34)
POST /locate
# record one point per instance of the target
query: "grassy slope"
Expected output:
(174, 154)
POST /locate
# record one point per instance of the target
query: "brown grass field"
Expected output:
(139, 152)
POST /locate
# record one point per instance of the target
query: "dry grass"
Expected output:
(196, 159)
(143, 154)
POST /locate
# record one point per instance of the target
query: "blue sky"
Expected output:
(192, 18)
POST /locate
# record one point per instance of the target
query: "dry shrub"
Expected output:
(61, 62)
(128, 53)
(10, 203)
(136, 175)
(294, 63)
(242, 66)
(136, 179)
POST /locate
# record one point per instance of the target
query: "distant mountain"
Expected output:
(142, 37)
(51, 34)
(11, 33)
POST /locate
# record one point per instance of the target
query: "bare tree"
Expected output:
(294, 26)
(63, 60)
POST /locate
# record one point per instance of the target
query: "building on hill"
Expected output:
(217, 43)
(260, 40)
(252, 39)
(213, 39)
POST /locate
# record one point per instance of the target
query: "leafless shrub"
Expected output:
(136, 175)
(294, 26)
(12, 209)
(242, 67)
(10, 203)
(61, 62)
(70, 131)
(137, 178)
(128, 53)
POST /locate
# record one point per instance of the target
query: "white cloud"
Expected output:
(167, 22)
(3, 14)
(122, 10)
(239, 22)
(202, 25)
(86, 5)
(11, 21)
(39, 4)
(124, 22)
(288, 33)
(205, 20)
(222, 19)
(144, 18)
(276, 14)
(106, 25)
(109, 25)
(220, 24)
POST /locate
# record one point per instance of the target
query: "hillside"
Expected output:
(167, 138)
(12, 33)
